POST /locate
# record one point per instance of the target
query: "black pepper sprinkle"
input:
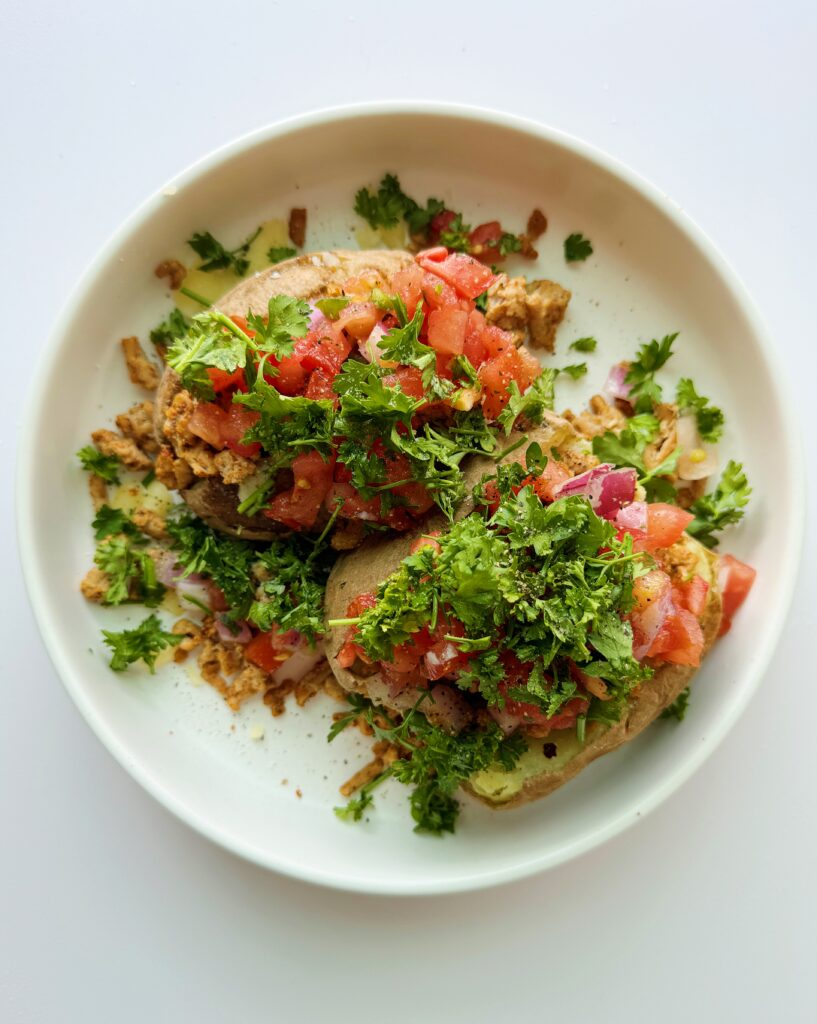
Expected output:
(549, 750)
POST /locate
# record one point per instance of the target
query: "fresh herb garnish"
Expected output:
(710, 418)
(531, 404)
(390, 204)
(280, 252)
(432, 761)
(333, 307)
(105, 466)
(144, 643)
(130, 570)
(583, 345)
(645, 392)
(172, 327)
(577, 248)
(575, 370)
(678, 708)
(110, 521)
(723, 507)
(217, 257)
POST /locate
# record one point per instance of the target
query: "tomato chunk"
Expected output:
(735, 579)
(261, 651)
(239, 421)
(446, 330)
(665, 524)
(208, 422)
(408, 284)
(222, 380)
(466, 275)
(409, 379)
(680, 639)
(692, 595)
(298, 508)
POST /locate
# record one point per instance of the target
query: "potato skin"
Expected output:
(653, 697)
(310, 276)
(363, 570)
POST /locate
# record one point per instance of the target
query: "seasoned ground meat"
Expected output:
(297, 226)
(234, 468)
(151, 523)
(137, 424)
(531, 311)
(95, 584)
(174, 473)
(123, 448)
(173, 272)
(596, 421)
(140, 369)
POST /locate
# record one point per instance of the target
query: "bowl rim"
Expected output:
(791, 543)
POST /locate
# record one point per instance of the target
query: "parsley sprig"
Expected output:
(144, 643)
(723, 507)
(217, 257)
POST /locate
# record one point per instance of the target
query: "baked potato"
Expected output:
(311, 276)
(545, 765)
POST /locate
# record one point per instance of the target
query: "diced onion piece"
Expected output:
(633, 516)
(698, 460)
(227, 636)
(301, 661)
(607, 489)
(615, 387)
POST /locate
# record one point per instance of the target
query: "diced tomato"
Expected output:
(358, 319)
(652, 604)
(665, 524)
(436, 254)
(484, 241)
(350, 651)
(221, 380)
(290, 378)
(516, 675)
(353, 506)
(444, 657)
(446, 330)
(553, 476)
(408, 284)
(409, 379)
(474, 348)
(440, 222)
(208, 422)
(426, 541)
(496, 374)
(261, 651)
(680, 639)
(735, 579)
(239, 421)
(438, 294)
(496, 341)
(692, 595)
(298, 508)
(465, 274)
(325, 347)
(320, 386)
(407, 657)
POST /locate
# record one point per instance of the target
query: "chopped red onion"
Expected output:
(168, 570)
(507, 722)
(616, 387)
(606, 488)
(298, 664)
(453, 709)
(369, 347)
(315, 316)
(698, 460)
(651, 618)
(633, 516)
(227, 636)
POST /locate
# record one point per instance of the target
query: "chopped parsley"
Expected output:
(144, 643)
(389, 205)
(531, 405)
(130, 571)
(678, 708)
(110, 521)
(333, 307)
(172, 327)
(709, 418)
(575, 371)
(723, 507)
(577, 248)
(217, 257)
(645, 392)
(433, 762)
(105, 466)
(280, 252)
(627, 449)
(583, 345)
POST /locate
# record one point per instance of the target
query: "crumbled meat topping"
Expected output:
(665, 443)
(234, 468)
(600, 418)
(150, 523)
(123, 448)
(173, 272)
(98, 490)
(95, 584)
(137, 424)
(192, 638)
(533, 310)
(140, 369)
(297, 226)
(174, 473)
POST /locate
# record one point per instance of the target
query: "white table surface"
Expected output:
(114, 911)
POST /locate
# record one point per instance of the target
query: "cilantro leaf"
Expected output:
(455, 236)
(172, 327)
(390, 204)
(131, 572)
(531, 404)
(143, 643)
(212, 340)
(217, 257)
(678, 708)
(105, 466)
(110, 521)
(723, 507)
(710, 418)
(575, 370)
(280, 252)
(583, 345)
(644, 391)
(577, 248)
(286, 318)
(508, 243)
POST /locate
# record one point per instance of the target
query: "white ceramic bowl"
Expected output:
(652, 272)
